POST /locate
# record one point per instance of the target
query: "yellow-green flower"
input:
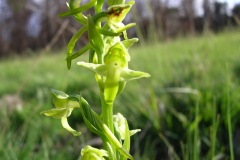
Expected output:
(64, 107)
(90, 153)
(115, 69)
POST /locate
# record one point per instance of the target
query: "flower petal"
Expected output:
(59, 98)
(128, 43)
(93, 153)
(127, 74)
(100, 69)
(67, 127)
(57, 112)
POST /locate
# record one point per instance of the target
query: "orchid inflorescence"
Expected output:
(108, 59)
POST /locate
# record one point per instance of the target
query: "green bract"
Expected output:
(90, 153)
(74, 10)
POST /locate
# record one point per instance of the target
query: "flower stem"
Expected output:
(107, 114)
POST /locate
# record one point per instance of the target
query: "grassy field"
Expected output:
(190, 77)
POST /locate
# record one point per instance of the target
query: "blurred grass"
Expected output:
(163, 104)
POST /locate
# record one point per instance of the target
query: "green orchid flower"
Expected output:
(90, 153)
(120, 123)
(64, 107)
(115, 69)
(116, 14)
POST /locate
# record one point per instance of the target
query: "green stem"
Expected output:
(105, 140)
(107, 114)
(109, 118)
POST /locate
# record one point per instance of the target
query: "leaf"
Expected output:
(82, 51)
(95, 38)
(118, 136)
(78, 10)
(79, 16)
(124, 28)
(100, 69)
(128, 43)
(193, 124)
(126, 143)
(117, 132)
(115, 142)
(71, 44)
(108, 33)
(92, 128)
(67, 127)
(127, 75)
(90, 118)
(110, 152)
(181, 117)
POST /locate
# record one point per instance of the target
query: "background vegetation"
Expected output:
(184, 71)
(183, 109)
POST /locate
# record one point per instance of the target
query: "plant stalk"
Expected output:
(107, 114)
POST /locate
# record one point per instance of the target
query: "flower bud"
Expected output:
(120, 120)
(59, 98)
(90, 153)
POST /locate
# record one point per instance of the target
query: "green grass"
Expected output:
(163, 105)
